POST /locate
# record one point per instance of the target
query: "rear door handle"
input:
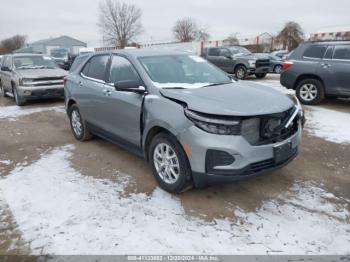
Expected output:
(80, 84)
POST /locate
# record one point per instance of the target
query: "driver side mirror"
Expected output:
(5, 69)
(130, 86)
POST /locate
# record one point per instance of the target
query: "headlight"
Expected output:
(215, 125)
(25, 82)
(252, 63)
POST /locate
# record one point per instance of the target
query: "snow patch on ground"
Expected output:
(61, 211)
(12, 112)
(328, 124)
(5, 162)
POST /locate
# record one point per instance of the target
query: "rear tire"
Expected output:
(277, 69)
(20, 101)
(166, 153)
(310, 92)
(260, 75)
(241, 72)
(78, 125)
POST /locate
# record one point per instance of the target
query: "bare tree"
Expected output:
(203, 33)
(231, 40)
(291, 35)
(185, 30)
(10, 44)
(120, 22)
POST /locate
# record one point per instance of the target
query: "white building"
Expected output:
(332, 33)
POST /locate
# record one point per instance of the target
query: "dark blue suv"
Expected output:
(316, 70)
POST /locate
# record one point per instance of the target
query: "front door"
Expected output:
(122, 110)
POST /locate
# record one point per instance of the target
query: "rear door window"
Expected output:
(214, 52)
(329, 53)
(342, 52)
(96, 67)
(316, 51)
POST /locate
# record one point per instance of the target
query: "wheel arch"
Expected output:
(307, 76)
(151, 133)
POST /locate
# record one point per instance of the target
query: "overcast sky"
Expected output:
(38, 19)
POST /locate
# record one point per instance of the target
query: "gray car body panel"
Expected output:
(164, 108)
(227, 99)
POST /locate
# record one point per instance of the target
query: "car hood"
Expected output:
(238, 99)
(42, 73)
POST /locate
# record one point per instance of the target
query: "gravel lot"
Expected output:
(60, 196)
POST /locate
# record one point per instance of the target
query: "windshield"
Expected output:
(182, 71)
(33, 62)
(59, 53)
(238, 50)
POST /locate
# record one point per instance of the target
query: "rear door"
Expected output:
(326, 72)
(213, 56)
(341, 68)
(122, 110)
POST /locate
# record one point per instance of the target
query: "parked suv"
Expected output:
(193, 123)
(317, 70)
(238, 60)
(30, 76)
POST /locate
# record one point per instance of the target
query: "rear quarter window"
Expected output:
(315, 51)
(342, 52)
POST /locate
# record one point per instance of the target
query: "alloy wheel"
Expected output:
(308, 92)
(240, 73)
(166, 163)
(76, 123)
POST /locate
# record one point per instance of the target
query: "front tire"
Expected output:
(241, 72)
(310, 92)
(20, 101)
(260, 75)
(169, 164)
(78, 125)
(2, 90)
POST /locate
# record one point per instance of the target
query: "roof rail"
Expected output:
(330, 40)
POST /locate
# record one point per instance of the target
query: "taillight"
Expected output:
(287, 65)
(64, 80)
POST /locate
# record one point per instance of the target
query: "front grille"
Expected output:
(46, 81)
(269, 129)
(262, 63)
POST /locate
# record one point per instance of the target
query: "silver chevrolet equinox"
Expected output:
(193, 123)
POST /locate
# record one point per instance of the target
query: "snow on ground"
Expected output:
(12, 112)
(5, 162)
(61, 211)
(328, 124)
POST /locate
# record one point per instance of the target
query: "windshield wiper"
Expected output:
(175, 87)
(217, 84)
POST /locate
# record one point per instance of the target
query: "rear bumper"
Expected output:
(259, 70)
(287, 80)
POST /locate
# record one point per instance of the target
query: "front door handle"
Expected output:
(107, 92)
(325, 65)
